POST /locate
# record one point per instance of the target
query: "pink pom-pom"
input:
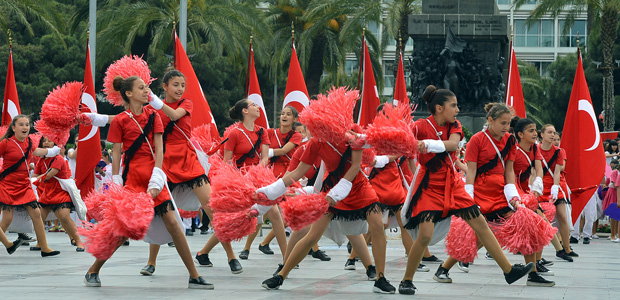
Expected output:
(329, 117)
(217, 162)
(60, 112)
(230, 227)
(391, 132)
(125, 67)
(84, 119)
(303, 210)
(524, 231)
(461, 241)
(187, 214)
(548, 209)
(99, 239)
(529, 200)
(261, 176)
(130, 213)
(368, 156)
(231, 191)
(95, 204)
(59, 136)
(3, 130)
(202, 135)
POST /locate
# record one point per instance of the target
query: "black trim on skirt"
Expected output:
(190, 184)
(497, 215)
(33, 204)
(58, 206)
(163, 208)
(560, 201)
(356, 214)
(435, 216)
(392, 209)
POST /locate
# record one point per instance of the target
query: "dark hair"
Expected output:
(235, 112)
(297, 124)
(433, 96)
(9, 131)
(518, 125)
(171, 74)
(495, 110)
(105, 153)
(123, 85)
(612, 143)
(293, 110)
(614, 161)
(41, 141)
(380, 107)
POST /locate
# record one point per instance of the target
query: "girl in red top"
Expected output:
(439, 191)
(138, 133)
(53, 198)
(555, 189)
(16, 192)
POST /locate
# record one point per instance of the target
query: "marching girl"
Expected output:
(440, 191)
(52, 197)
(555, 189)
(16, 192)
(138, 133)
(181, 164)
(282, 144)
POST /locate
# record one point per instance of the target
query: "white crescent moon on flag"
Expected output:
(12, 109)
(586, 106)
(297, 96)
(89, 101)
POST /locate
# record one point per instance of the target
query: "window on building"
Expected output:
(542, 67)
(570, 38)
(539, 34)
(510, 2)
(351, 65)
(389, 72)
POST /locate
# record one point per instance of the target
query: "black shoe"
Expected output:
(310, 252)
(46, 254)
(244, 254)
(534, 279)
(148, 270)
(235, 266)
(383, 286)
(488, 256)
(371, 272)
(265, 249)
(320, 254)
(423, 268)
(203, 260)
(518, 271)
(349, 247)
(464, 267)
(92, 280)
(126, 243)
(16, 243)
(25, 237)
(545, 262)
(199, 283)
(73, 243)
(432, 259)
(280, 266)
(189, 232)
(573, 254)
(350, 264)
(80, 249)
(542, 270)
(573, 240)
(172, 245)
(406, 287)
(561, 255)
(442, 275)
(34, 248)
(586, 240)
(273, 283)
(204, 231)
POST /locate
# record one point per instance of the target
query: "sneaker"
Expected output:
(203, 260)
(148, 270)
(383, 286)
(26, 238)
(265, 249)
(204, 230)
(16, 243)
(406, 287)
(586, 240)
(172, 245)
(545, 262)
(349, 247)
(594, 236)
(244, 254)
(574, 254)
(280, 266)
(617, 240)
(371, 272)
(310, 252)
(573, 240)
(518, 271)
(432, 259)
(92, 280)
(463, 267)
(423, 268)
(561, 255)
(534, 279)
(53, 229)
(442, 275)
(126, 243)
(188, 232)
(488, 256)
(320, 254)
(199, 283)
(350, 264)
(273, 283)
(542, 270)
(235, 266)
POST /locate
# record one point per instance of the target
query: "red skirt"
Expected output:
(279, 169)
(547, 183)
(388, 185)
(489, 193)
(140, 170)
(52, 193)
(15, 190)
(181, 163)
(360, 200)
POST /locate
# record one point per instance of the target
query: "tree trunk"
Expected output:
(315, 65)
(609, 24)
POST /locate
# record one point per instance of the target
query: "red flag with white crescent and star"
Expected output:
(10, 107)
(581, 139)
(400, 88)
(514, 91)
(370, 94)
(254, 93)
(296, 94)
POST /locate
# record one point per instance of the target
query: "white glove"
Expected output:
(274, 190)
(117, 179)
(555, 189)
(612, 185)
(51, 152)
(158, 179)
(366, 145)
(33, 179)
(537, 186)
(434, 146)
(469, 188)
(155, 102)
(303, 181)
(270, 153)
(341, 190)
(262, 209)
(306, 190)
(97, 119)
(510, 191)
(381, 161)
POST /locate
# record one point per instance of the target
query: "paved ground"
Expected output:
(25, 275)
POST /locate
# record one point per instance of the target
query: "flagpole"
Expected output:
(509, 70)
(174, 44)
(92, 36)
(359, 76)
(247, 77)
(183, 24)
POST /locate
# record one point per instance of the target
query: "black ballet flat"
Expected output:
(79, 249)
(33, 248)
(46, 254)
(18, 242)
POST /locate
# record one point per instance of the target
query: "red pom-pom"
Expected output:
(35, 138)
(329, 117)
(187, 214)
(261, 176)
(231, 191)
(99, 239)
(230, 227)
(529, 200)
(217, 162)
(461, 241)
(524, 231)
(368, 156)
(548, 209)
(391, 132)
(125, 67)
(3, 130)
(95, 205)
(60, 136)
(84, 119)
(202, 135)
(303, 210)
(130, 213)
(60, 112)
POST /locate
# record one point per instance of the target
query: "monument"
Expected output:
(460, 45)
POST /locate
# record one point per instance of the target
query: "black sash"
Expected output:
(334, 176)
(252, 151)
(170, 127)
(526, 174)
(551, 162)
(493, 162)
(16, 165)
(137, 144)
(286, 140)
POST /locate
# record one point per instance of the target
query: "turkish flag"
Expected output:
(254, 93)
(400, 88)
(585, 157)
(296, 94)
(10, 107)
(193, 90)
(89, 142)
(514, 92)
(370, 94)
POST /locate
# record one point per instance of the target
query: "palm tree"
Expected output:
(603, 11)
(24, 12)
(397, 20)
